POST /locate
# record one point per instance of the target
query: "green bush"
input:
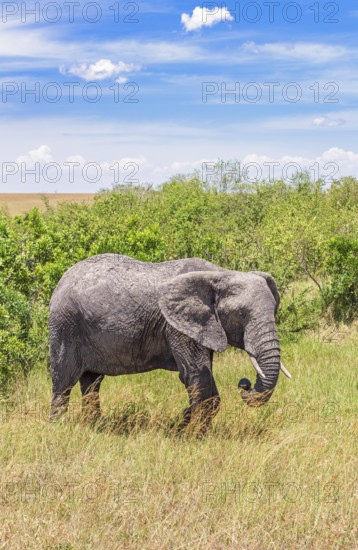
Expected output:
(23, 336)
(341, 293)
(299, 232)
(300, 310)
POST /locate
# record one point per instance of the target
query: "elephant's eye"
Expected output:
(242, 313)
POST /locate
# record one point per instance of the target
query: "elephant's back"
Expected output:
(104, 276)
(95, 273)
(124, 265)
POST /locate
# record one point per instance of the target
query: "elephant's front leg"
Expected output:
(203, 396)
(195, 371)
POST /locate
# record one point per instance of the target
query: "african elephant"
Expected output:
(112, 315)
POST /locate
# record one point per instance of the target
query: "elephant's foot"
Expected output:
(59, 405)
(56, 413)
(182, 422)
(199, 420)
(186, 416)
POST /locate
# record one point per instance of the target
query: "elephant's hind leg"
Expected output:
(90, 384)
(66, 369)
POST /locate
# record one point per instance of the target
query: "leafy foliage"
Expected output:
(299, 232)
(342, 290)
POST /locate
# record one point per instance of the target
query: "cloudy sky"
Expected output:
(96, 93)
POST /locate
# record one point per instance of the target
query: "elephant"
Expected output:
(111, 315)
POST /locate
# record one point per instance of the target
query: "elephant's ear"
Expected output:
(188, 304)
(271, 283)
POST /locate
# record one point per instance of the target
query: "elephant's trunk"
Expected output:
(263, 346)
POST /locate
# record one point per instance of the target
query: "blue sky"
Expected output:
(163, 72)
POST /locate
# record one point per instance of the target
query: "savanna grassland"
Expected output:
(19, 203)
(282, 476)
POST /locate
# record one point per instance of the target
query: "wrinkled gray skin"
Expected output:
(113, 315)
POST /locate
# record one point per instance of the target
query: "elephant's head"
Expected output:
(228, 307)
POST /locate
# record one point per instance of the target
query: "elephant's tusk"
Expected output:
(285, 371)
(257, 367)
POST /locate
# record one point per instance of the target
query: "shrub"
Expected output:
(341, 292)
(296, 232)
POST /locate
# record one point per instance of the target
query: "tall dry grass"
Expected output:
(283, 476)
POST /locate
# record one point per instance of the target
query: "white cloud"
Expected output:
(327, 122)
(169, 147)
(24, 47)
(42, 154)
(205, 17)
(180, 167)
(304, 122)
(101, 70)
(39, 171)
(76, 158)
(331, 164)
(346, 160)
(124, 163)
(300, 51)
